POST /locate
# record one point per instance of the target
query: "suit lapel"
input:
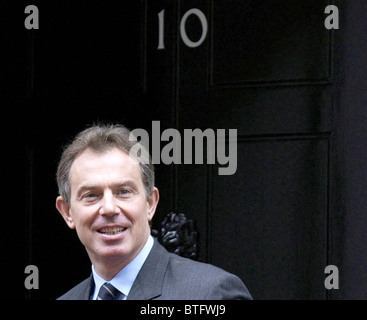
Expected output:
(148, 284)
(86, 290)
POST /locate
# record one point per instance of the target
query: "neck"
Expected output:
(108, 270)
(109, 267)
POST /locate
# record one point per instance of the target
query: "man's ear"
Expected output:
(64, 210)
(153, 202)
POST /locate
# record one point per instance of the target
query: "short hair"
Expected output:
(100, 138)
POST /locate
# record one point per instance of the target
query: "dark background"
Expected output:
(295, 92)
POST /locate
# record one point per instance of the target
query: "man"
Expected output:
(108, 196)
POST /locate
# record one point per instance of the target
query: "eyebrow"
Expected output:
(116, 185)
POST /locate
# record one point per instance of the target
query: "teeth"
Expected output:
(111, 231)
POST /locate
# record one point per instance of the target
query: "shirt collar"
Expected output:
(124, 280)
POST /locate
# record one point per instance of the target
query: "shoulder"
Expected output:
(80, 292)
(203, 280)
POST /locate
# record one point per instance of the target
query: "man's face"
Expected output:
(108, 207)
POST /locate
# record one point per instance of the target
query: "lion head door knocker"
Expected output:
(177, 234)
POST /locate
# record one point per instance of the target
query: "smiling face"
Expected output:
(108, 208)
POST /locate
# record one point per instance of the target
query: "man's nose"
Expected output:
(109, 205)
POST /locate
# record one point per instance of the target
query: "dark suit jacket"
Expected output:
(167, 276)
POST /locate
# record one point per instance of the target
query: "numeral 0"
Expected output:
(184, 37)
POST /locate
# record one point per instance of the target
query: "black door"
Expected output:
(265, 69)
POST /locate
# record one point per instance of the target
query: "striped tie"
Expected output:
(109, 292)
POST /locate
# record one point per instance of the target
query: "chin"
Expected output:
(114, 253)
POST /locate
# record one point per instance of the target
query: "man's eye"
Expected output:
(124, 192)
(91, 195)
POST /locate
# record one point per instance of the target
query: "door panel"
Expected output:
(256, 42)
(274, 211)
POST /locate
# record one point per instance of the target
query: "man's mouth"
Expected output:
(112, 231)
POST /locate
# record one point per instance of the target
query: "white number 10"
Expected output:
(185, 38)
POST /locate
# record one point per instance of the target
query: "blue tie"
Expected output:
(109, 292)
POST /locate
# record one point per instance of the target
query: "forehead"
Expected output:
(112, 163)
